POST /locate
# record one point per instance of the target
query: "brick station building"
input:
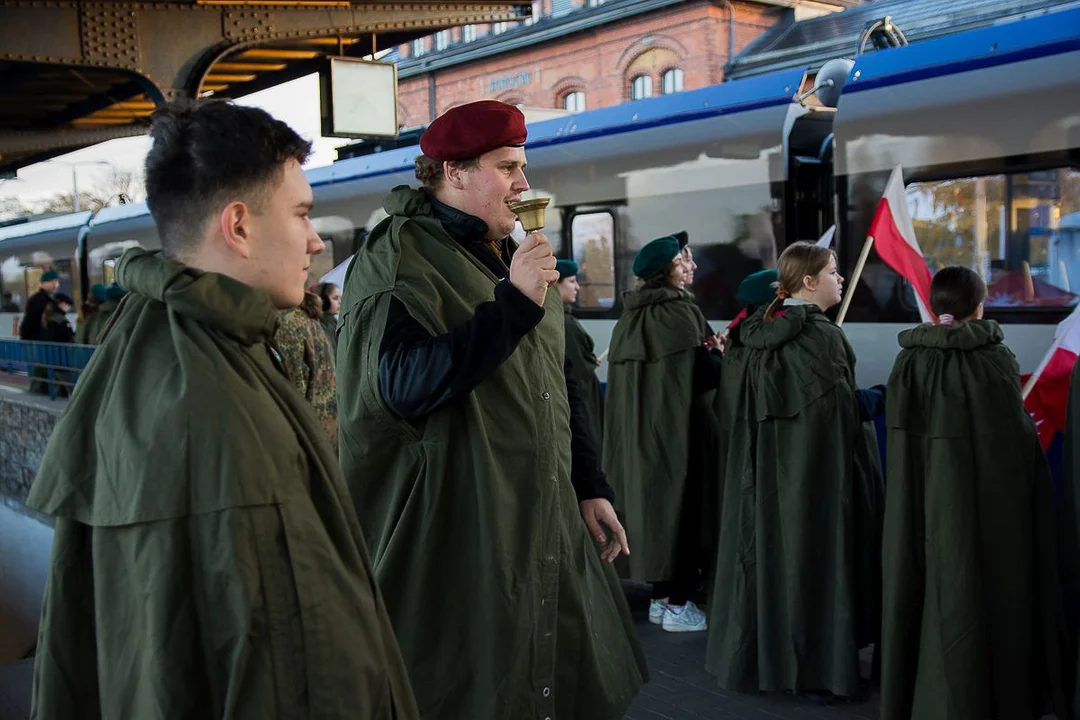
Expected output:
(586, 54)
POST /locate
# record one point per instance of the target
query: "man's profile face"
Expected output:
(284, 240)
(498, 180)
(568, 290)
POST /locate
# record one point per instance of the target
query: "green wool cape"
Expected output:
(501, 603)
(647, 427)
(973, 626)
(89, 330)
(580, 351)
(207, 560)
(1069, 530)
(795, 592)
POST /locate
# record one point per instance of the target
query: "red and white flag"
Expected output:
(895, 241)
(1047, 400)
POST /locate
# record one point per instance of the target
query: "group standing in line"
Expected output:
(438, 536)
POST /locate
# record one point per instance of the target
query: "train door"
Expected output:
(809, 207)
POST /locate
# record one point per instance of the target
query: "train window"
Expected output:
(1020, 231)
(592, 243)
(102, 260)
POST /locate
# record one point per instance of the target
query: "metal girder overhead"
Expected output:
(73, 72)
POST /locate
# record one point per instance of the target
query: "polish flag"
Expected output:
(1046, 393)
(895, 242)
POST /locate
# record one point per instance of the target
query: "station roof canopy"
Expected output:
(77, 72)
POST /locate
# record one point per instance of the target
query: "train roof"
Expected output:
(813, 41)
(1051, 33)
(48, 225)
(1032, 37)
(775, 89)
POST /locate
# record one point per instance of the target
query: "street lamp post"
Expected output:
(75, 176)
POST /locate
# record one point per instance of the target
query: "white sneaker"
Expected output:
(656, 611)
(684, 619)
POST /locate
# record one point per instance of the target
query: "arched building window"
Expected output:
(641, 87)
(672, 81)
(574, 101)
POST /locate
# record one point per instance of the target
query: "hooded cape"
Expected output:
(207, 561)
(89, 330)
(797, 569)
(973, 626)
(502, 606)
(646, 446)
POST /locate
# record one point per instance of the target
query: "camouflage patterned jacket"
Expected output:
(309, 360)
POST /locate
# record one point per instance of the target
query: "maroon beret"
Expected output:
(468, 131)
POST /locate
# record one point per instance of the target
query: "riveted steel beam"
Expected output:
(171, 44)
(168, 48)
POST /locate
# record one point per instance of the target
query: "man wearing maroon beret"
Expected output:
(465, 444)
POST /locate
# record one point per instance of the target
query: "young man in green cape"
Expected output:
(580, 351)
(207, 561)
(464, 452)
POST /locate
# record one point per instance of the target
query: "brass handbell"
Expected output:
(530, 213)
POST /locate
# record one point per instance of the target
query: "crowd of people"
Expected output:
(407, 497)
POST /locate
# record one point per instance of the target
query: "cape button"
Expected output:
(547, 692)
(546, 396)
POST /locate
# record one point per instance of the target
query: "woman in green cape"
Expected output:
(580, 351)
(973, 621)
(795, 590)
(662, 360)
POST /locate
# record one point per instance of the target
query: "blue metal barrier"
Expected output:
(48, 364)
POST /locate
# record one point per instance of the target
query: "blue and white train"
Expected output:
(985, 123)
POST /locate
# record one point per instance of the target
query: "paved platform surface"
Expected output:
(15, 683)
(680, 688)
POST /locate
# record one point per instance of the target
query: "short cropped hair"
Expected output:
(208, 153)
(429, 171)
(956, 291)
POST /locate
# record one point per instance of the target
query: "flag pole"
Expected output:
(1030, 385)
(854, 281)
(602, 356)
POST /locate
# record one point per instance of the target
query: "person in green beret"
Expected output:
(33, 319)
(108, 299)
(207, 561)
(663, 362)
(796, 589)
(757, 289)
(580, 351)
(973, 621)
(90, 305)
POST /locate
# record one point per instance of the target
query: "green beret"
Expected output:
(98, 292)
(654, 258)
(683, 237)
(50, 275)
(758, 288)
(115, 292)
(566, 268)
